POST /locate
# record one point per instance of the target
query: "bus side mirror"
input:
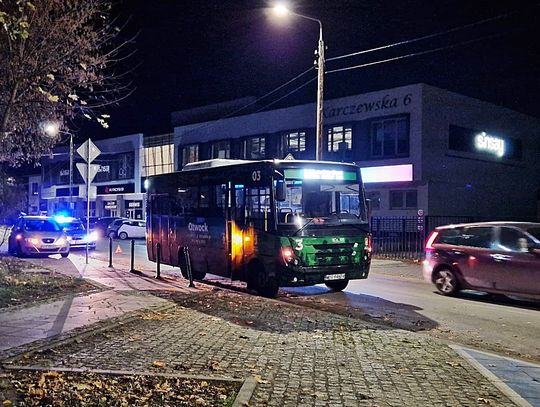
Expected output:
(281, 191)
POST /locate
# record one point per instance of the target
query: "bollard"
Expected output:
(158, 261)
(110, 251)
(188, 267)
(132, 269)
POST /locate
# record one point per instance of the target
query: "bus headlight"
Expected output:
(288, 255)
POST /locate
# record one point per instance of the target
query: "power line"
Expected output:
(288, 94)
(429, 51)
(425, 37)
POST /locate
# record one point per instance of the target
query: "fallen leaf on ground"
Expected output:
(158, 363)
(483, 400)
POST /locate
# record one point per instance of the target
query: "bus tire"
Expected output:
(182, 263)
(337, 285)
(264, 285)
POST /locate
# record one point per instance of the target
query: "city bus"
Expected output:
(270, 223)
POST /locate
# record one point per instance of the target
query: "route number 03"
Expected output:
(256, 175)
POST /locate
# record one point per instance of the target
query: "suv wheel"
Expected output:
(446, 281)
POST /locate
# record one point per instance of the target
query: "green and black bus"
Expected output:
(270, 223)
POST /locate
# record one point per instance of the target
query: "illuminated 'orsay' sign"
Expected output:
(489, 144)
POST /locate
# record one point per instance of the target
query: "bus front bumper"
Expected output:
(303, 276)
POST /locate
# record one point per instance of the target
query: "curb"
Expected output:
(497, 382)
(241, 400)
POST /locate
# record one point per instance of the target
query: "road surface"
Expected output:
(396, 295)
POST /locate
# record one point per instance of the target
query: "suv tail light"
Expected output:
(430, 240)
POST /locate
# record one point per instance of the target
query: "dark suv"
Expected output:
(495, 257)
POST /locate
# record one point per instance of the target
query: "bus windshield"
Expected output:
(324, 202)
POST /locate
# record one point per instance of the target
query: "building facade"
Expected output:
(422, 150)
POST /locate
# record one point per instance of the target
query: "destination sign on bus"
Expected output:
(320, 174)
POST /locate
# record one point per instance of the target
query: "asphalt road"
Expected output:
(396, 295)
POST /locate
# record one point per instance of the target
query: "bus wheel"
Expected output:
(337, 285)
(265, 286)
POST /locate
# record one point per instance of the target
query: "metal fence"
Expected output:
(396, 237)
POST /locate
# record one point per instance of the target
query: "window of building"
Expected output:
(403, 199)
(294, 141)
(35, 188)
(390, 137)
(221, 149)
(157, 160)
(190, 154)
(374, 199)
(255, 148)
(339, 138)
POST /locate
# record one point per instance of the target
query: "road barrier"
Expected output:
(158, 261)
(188, 266)
(132, 268)
(110, 251)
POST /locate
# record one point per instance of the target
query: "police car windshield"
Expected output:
(41, 225)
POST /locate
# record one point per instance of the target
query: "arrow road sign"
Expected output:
(94, 168)
(83, 151)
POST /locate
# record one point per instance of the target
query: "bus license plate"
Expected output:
(330, 277)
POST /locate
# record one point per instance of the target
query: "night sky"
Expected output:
(200, 52)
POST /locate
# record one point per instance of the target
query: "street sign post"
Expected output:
(89, 152)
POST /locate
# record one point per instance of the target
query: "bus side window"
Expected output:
(186, 201)
(258, 207)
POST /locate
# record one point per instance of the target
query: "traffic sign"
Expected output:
(94, 168)
(88, 156)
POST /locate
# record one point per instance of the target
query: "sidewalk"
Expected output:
(298, 355)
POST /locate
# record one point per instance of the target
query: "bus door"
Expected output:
(165, 228)
(213, 236)
(236, 218)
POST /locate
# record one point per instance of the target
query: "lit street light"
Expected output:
(52, 129)
(282, 10)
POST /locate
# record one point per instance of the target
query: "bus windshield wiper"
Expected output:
(303, 227)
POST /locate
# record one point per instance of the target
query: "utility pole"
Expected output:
(71, 175)
(88, 181)
(320, 94)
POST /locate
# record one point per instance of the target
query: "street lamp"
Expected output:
(282, 10)
(52, 129)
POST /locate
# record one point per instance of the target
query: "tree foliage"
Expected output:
(57, 61)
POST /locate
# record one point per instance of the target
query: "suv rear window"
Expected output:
(477, 237)
(450, 236)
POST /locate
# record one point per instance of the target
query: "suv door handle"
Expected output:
(500, 257)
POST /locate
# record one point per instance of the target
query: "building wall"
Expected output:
(444, 182)
(477, 184)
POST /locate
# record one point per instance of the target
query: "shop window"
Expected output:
(339, 138)
(390, 138)
(190, 154)
(35, 188)
(403, 199)
(294, 142)
(255, 148)
(221, 149)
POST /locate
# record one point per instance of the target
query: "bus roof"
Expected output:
(220, 162)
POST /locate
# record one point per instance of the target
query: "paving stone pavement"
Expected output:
(299, 356)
